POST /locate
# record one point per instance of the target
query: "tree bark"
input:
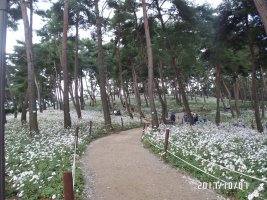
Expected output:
(121, 88)
(218, 94)
(154, 116)
(161, 74)
(236, 93)
(163, 105)
(264, 91)
(262, 105)
(254, 91)
(76, 71)
(261, 6)
(81, 92)
(177, 94)
(38, 95)
(182, 91)
(263, 81)
(229, 99)
(3, 30)
(24, 106)
(101, 67)
(136, 91)
(31, 83)
(66, 107)
(145, 93)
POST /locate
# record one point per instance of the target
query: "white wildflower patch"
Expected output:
(34, 164)
(214, 148)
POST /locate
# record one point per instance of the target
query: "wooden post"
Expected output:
(90, 128)
(76, 136)
(68, 187)
(166, 143)
(121, 122)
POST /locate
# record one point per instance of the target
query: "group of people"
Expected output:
(185, 119)
(196, 118)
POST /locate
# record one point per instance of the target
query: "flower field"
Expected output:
(35, 164)
(226, 154)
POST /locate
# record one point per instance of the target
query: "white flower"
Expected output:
(21, 194)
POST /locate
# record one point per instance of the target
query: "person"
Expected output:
(195, 118)
(227, 106)
(173, 117)
(185, 118)
(117, 112)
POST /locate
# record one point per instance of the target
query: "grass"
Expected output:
(239, 149)
(35, 164)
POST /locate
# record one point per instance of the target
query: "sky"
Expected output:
(38, 23)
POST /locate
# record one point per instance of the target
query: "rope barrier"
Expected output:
(196, 167)
(74, 160)
(153, 144)
(186, 162)
(255, 178)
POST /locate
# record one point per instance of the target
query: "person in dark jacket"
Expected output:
(173, 117)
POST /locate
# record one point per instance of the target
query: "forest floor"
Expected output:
(118, 167)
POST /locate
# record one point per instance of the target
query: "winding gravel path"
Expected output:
(118, 167)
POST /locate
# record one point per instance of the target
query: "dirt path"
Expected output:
(118, 167)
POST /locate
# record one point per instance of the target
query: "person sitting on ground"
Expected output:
(195, 118)
(117, 112)
(173, 117)
(185, 118)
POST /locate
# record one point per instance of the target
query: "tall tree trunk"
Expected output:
(24, 106)
(3, 25)
(101, 67)
(261, 6)
(76, 71)
(127, 104)
(31, 84)
(236, 93)
(90, 93)
(154, 116)
(121, 88)
(264, 92)
(182, 91)
(81, 93)
(222, 100)
(254, 91)
(218, 94)
(163, 105)
(15, 103)
(249, 91)
(136, 91)
(38, 95)
(66, 107)
(163, 87)
(229, 98)
(145, 93)
(176, 94)
(262, 105)
(263, 81)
